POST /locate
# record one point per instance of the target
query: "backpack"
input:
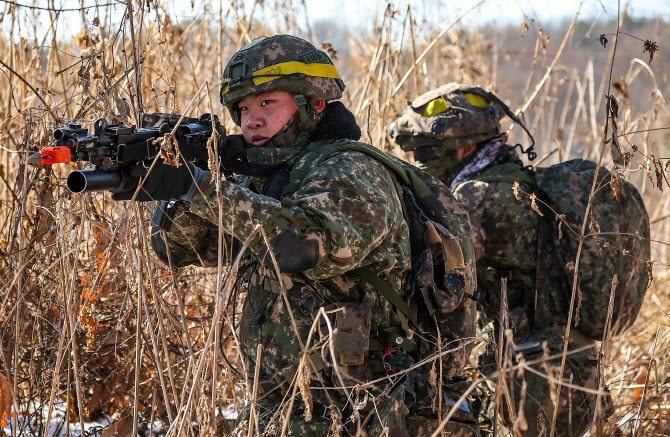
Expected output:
(616, 243)
(454, 116)
(440, 291)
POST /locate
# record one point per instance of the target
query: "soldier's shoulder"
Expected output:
(349, 155)
(471, 193)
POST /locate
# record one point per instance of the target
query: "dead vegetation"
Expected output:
(92, 325)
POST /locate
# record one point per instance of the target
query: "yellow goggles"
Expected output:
(440, 105)
(278, 70)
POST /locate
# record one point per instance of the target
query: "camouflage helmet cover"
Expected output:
(452, 116)
(280, 63)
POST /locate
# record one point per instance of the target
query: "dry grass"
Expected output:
(93, 326)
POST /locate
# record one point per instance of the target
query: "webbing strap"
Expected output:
(383, 287)
(373, 152)
(318, 152)
(322, 152)
(301, 103)
(303, 136)
(508, 172)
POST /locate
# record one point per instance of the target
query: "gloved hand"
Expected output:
(231, 152)
(165, 182)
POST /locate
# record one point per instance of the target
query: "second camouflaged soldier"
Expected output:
(454, 133)
(340, 241)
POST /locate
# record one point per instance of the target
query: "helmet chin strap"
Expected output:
(298, 126)
(302, 137)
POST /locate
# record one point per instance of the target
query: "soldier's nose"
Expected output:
(254, 122)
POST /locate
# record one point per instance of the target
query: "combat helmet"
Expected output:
(279, 63)
(452, 116)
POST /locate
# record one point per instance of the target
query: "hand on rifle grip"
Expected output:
(163, 182)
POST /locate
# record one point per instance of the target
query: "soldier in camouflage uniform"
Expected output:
(344, 216)
(453, 132)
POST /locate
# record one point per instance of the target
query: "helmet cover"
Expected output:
(279, 63)
(452, 116)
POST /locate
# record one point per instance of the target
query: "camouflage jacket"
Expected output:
(347, 208)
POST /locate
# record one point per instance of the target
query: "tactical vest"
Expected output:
(440, 291)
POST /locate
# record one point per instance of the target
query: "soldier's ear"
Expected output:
(319, 104)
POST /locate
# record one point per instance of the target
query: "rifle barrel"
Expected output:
(86, 181)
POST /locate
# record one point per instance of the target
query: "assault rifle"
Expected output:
(115, 147)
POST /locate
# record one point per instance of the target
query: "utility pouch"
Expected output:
(351, 333)
(442, 280)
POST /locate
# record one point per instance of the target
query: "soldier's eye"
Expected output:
(266, 102)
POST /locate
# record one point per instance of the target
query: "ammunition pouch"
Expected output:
(442, 279)
(351, 332)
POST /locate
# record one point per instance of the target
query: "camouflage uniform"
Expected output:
(345, 214)
(506, 244)
(505, 237)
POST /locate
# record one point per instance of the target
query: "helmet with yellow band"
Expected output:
(279, 63)
(452, 117)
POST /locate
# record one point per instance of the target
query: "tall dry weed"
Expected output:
(94, 328)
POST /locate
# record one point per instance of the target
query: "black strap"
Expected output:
(530, 151)
(276, 183)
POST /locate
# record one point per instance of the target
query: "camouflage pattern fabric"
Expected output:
(439, 204)
(447, 118)
(440, 162)
(499, 243)
(405, 410)
(348, 210)
(577, 407)
(266, 52)
(506, 241)
(270, 421)
(617, 242)
(460, 322)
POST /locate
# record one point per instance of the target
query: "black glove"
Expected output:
(231, 152)
(165, 182)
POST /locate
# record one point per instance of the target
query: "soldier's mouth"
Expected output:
(258, 140)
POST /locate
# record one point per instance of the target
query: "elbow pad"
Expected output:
(293, 253)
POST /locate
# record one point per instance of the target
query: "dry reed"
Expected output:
(94, 327)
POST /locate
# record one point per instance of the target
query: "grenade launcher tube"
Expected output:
(86, 181)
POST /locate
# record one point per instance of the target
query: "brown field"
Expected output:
(93, 327)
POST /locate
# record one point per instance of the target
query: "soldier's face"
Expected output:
(263, 115)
